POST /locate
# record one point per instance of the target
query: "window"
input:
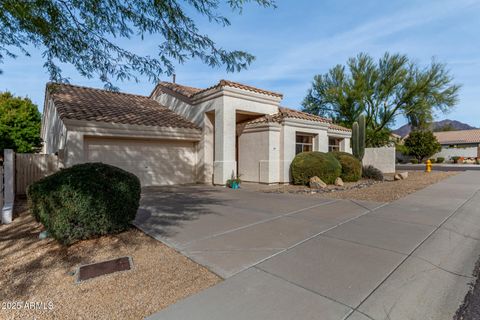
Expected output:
(303, 143)
(334, 144)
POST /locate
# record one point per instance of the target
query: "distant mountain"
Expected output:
(437, 126)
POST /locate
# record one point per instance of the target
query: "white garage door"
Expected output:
(154, 162)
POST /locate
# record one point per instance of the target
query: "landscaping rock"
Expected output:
(403, 175)
(317, 183)
(339, 182)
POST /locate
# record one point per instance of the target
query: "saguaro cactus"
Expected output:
(361, 137)
(358, 138)
(354, 141)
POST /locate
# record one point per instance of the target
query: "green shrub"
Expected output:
(370, 172)
(414, 161)
(351, 166)
(309, 164)
(422, 144)
(440, 159)
(457, 159)
(85, 201)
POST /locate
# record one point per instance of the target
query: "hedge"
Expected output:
(351, 166)
(309, 164)
(85, 201)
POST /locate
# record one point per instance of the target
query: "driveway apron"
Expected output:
(296, 257)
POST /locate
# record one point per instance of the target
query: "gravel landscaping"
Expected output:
(41, 271)
(369, 190)
(470, 308)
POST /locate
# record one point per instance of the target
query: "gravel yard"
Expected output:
(40, 271)
(470, 308)
(369, 190)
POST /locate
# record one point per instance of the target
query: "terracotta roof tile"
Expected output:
(291, 113)
(190, 92)
(227, 83)
(82, 103)
(458, 137)
(181, 89)
(338, 128)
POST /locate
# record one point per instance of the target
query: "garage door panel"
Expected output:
(154, 162)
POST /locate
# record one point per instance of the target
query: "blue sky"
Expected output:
(302, 38)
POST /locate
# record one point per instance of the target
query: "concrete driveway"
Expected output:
(298, 257)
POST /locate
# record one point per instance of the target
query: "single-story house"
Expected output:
(181, 134)
(461, 143)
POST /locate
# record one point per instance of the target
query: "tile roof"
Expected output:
(82, 103)
(181, 89)
(190, 92)
(458, 137)
(338, 128)
(291, 113)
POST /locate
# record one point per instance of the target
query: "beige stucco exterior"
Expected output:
(227, 142)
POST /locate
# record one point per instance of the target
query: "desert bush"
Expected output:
(309, 164)
(351, 166)
(457, 159)
(414, 161)
(440, 159)
(370, 172)
(422, 144)
(85, 201)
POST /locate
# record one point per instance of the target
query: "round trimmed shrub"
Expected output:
(310, 164)
(351, 166)
(370, 172)
(85, 201)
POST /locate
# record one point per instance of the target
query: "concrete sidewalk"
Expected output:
(410, 259)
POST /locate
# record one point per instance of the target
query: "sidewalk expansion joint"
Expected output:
(257, 223)
(418, 246)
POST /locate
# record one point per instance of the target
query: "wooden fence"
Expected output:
(31, 167)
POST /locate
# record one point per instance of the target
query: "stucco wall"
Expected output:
(447, 153)
(217, 150)
(381, 158)
(53, 131)
(252, 148)
(259, 153)
(290, 128)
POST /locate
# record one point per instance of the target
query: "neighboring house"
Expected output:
(462, 143)
(181, 134)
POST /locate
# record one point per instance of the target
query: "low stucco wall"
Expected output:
(447, 153)
(381, 158)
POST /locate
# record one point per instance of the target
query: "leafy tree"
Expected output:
(86, 34)
(422, 144)
(393, 86)
(20, 123)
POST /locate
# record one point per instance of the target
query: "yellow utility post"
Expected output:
(428, 167)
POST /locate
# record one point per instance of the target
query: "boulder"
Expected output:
(339, 182)
(317, 183)
(403, 175)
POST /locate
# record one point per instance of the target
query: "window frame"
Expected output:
(304, 145)
(336, 146)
